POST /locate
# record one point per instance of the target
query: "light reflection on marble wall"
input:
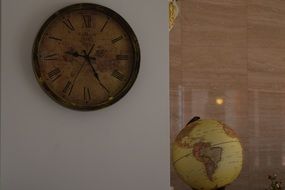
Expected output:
(233, 51)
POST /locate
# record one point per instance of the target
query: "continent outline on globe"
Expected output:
(209, 156)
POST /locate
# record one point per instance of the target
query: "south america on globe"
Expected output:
(207, 154)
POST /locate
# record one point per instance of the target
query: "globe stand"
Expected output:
(222, 188)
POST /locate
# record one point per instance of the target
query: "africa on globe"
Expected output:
(207, 154)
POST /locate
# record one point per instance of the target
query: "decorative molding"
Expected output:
(173, 13)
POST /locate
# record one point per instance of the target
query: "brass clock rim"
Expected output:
(135, 46)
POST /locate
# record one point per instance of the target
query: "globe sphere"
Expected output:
(207, 155)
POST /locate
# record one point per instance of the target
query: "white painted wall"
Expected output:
(45, 146)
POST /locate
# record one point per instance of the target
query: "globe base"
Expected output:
(222, 188)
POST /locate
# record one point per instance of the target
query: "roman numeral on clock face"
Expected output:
(122, 57)
(87, 20)
(86, 94)
(118, 75)
(49, 57)
(68, 88)
(54, 74)
(54, 38)
(68, 24)
(117, 39)
(105, 24)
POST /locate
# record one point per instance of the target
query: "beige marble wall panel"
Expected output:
(266, 69)
(233, 50)
(266, 23)
(217, 60)
(214, 23)
(266, 123)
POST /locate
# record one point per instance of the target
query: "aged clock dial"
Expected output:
(86, 57)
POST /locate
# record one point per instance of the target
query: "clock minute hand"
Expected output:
(95, 73)
(102, 85)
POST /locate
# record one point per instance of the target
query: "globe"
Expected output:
(207, 155)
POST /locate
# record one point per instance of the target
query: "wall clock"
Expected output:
(86, 57)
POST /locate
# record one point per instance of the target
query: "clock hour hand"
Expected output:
(76, 54)
(73, 53)
(95, 73)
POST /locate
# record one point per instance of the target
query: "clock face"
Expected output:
(86, 57)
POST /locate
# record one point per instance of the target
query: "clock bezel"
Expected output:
(126, 27)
